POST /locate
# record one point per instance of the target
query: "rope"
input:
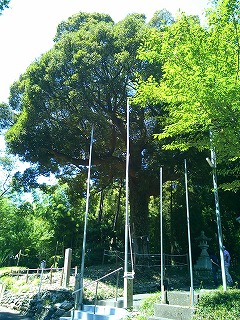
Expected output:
(131, 251)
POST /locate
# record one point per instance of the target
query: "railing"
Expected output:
(97, 282)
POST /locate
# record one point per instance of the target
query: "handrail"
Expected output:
(98, 280)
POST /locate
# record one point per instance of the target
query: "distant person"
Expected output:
(227, 260)
(215, 267)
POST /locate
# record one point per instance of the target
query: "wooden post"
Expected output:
(77, 286)
(67, 267)
(61, 280)
(51, 275)
(27, 276)
(75, 270)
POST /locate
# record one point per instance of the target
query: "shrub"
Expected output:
(219, 305)
(146, 308)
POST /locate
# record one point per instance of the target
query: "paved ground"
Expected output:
(8, 314)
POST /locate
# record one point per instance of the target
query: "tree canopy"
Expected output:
(84, 81)
(201, 79)
(181, 83)
(200, 83)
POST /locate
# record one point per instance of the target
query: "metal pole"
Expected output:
(85, 224)
(213, 164)
(126, 287)
(42, 266)
(161, 239)
(127, 195)
(189, 236)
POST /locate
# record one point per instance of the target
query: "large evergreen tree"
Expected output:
(82, 82)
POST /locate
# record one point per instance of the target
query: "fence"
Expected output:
(146, 267)
(148, 260)
(49, 275)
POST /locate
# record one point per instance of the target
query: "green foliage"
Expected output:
(219, 305)
(7, 167)
(201, 80)
(6, 116)
(7, 281)
(161, 19)
(78, 21)
(146, 308)
(4, 4)
(83, 81)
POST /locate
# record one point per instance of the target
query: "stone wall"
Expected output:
(50, 304)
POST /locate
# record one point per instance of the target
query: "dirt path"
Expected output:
(8, 314)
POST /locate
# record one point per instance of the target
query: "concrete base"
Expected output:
(179, 307)
(137, 299)
(181, 298)
(167, 311)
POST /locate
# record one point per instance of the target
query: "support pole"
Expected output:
(213, 164)
(80, 293)
(128, 277)
(163, 298)
(189, 237)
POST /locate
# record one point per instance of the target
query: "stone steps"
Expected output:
(91, 312)
(178, 307)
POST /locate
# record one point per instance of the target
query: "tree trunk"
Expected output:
(138, 199)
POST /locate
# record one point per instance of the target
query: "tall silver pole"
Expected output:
(85, 223)
(126, 287)
(127, 195)
(189, 236)
(213, 164)
(161, 238)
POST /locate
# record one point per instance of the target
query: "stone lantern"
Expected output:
(204, 261)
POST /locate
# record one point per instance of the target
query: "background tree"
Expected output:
(201, 81)
(200, 87)
(83, 81)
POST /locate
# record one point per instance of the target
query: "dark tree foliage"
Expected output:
(161, 19)
(83, 82)
(6, 116)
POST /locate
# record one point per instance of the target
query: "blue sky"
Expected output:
(28, 26)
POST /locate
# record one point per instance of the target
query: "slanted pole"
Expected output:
(213, 164)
